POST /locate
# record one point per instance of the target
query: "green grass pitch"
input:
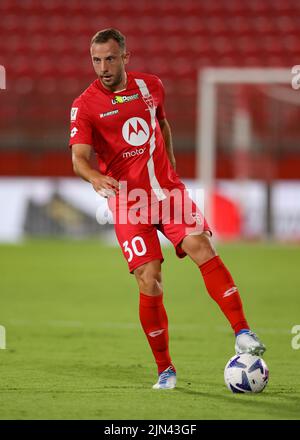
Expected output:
(75, 349)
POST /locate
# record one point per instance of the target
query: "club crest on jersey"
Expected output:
(148, 100)
(197, 218)
(123, 99)
(135, 131)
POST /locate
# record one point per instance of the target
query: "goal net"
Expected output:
(248, 134)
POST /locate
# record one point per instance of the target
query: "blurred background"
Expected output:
(44, 48)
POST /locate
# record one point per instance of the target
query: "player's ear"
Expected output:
(126, 57)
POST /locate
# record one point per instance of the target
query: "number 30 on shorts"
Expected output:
(137, 247)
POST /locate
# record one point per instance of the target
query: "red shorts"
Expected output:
(137, 228)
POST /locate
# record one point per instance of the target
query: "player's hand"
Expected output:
(105, 186)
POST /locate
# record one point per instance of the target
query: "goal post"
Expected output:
(210, 80)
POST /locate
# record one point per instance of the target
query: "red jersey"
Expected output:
(123, 129)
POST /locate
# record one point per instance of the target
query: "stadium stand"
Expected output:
(44, 48)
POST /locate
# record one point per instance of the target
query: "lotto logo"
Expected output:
(74, 131)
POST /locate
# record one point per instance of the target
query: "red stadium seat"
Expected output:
(44, 45)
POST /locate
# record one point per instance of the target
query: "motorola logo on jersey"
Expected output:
(133, 153)
(135, 131)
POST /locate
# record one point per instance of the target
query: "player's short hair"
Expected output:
(109, 34)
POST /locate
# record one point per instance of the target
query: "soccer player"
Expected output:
(121, 117)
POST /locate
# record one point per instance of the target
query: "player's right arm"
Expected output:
(81, 141)
(81, 154)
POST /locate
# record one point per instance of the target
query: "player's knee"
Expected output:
(149, 280)
(149, 284)
(199, 248)
(206, 249)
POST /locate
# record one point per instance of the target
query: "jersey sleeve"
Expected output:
(81, 127)
(160, 110)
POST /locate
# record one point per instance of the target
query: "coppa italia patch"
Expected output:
(112, 112)
(122, 99)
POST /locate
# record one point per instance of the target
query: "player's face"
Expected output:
(109, 63)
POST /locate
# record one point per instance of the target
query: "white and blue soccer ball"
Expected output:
(245, 373)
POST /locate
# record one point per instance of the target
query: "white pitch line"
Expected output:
(131, 325)
(261, 330)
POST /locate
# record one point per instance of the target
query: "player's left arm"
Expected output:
(167, 135)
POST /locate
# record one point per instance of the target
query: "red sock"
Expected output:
(222, 289)
(154, 321)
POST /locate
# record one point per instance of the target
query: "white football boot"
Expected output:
(166, 379)
(248, 342)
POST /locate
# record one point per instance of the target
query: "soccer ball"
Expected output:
(245, 373)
